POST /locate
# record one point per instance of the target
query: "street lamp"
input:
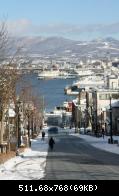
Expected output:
(18, 124)
(92, 117)
(95, 122)
(101, 119)
(111, 138)
(32, 123)
(78, 118)
(30, 127)
(8, 128)
(28, 116)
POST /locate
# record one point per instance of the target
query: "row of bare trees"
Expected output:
(9, 80)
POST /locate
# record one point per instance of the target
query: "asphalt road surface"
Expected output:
(74, 159)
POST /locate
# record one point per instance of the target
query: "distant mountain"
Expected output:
(60, 46)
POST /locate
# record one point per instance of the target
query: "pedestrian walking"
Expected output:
(17, 152)
(29, 143)
(51, 143)
(103, 133)
(43, 135)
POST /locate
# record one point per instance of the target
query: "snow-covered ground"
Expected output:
(30, 165)
(100, 142)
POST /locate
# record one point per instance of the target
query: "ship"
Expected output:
(55, 74)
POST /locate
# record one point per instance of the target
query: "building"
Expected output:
(100, 101)
(112, 82)
(114, 120)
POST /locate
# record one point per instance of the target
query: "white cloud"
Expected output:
(26, 27)
(19, 27)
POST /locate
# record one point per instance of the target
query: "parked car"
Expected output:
(53, 130)
(82, 130)
(86, 130)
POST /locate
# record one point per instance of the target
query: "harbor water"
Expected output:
(51, 90)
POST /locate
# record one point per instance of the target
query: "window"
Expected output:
(115, 96)
(107, 96)
(104, 96)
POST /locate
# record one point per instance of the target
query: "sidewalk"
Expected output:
(30, 165)
(100, 142)
(5, 157)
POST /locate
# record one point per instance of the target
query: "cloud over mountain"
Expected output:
(26, 27)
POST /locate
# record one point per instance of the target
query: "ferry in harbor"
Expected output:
(54, 74)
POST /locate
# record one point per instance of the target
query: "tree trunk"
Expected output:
(2, 128)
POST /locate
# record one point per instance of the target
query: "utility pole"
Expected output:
(8, 130)
(96, 123)
(32, 125)
(111, 138)
(42, 111)
(18, 124)
(96, 119)
(76, 118)
(29, 129)
(91, 117)
(101, 119)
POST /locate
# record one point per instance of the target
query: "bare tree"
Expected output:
(3, 40)
(8, 78)
(27, 96)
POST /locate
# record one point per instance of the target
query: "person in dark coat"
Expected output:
(51, 143)
(103, 133)
(17, 152)
(43, 135)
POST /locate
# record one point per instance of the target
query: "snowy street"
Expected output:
(75, 156)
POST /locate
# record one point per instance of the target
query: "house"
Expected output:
(115, 118)
(100, 101)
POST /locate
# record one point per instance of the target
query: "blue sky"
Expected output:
(75, 19)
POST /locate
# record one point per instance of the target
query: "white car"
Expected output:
(86, 130)
(82, 130)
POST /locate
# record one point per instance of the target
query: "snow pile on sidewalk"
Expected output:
(100, 142)
(30, 165)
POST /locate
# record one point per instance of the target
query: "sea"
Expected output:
(51, 90)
